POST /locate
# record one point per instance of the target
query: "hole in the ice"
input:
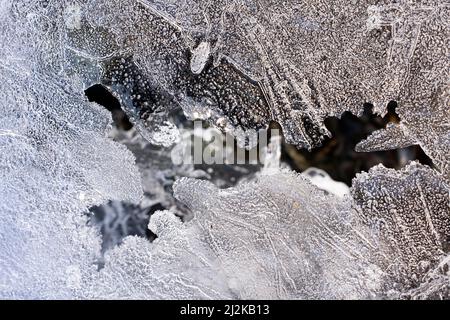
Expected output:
(117, 220)
(337, 155)
(101, 95)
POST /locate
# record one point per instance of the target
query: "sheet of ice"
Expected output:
(56, 161)
(241, 64)
(177, 265)
(281, 237)
(409, 211)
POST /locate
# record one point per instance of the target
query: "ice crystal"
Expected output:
(296, 242)
(243, 64)
(56, 161)
(280, 237)
(409, 211)
(177, 265)
(239, 65)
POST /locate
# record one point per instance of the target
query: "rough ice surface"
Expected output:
(408, 210)
(240, 65)
(177, 265)
(280, 237)
(418, 62)
(118, 219)
(56, 162)
(291, 241)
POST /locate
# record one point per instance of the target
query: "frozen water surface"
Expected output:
(239, 65)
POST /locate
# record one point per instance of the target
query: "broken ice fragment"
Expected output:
(392, 137)
(177, 265)
(200, 56)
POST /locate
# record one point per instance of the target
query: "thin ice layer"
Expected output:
(241, 64)
(177, 265)
(294, 63)
(419, 63)
(55, 161)
(280, 237)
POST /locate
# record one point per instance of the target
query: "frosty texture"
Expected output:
(55, 161)
(281, 237)
(177, 265)
(239, 64)
(294, 241)
(147, 63)
(118, 219)
(409, 211)
(419, 66)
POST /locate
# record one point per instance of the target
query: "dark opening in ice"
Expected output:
(101, 95)
(337, 154)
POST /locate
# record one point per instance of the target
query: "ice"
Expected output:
(199, 57)
(305, 73)
(419, 65)
(158, 170)
(177, 265)
(56, 161)
(391, 137)
(409, 211)
(240, 65)
(280, 237)
(435, 284)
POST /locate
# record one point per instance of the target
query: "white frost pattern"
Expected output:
(241, 65)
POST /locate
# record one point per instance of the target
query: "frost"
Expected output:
(409, 211)
(240, 65)
(55, 162)
(435, 284)
(117, 220)
(177, 265)
(321, 65)
(272, 154)
(199, 58)
(294, 62)
(280, 238)
(392, 137)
